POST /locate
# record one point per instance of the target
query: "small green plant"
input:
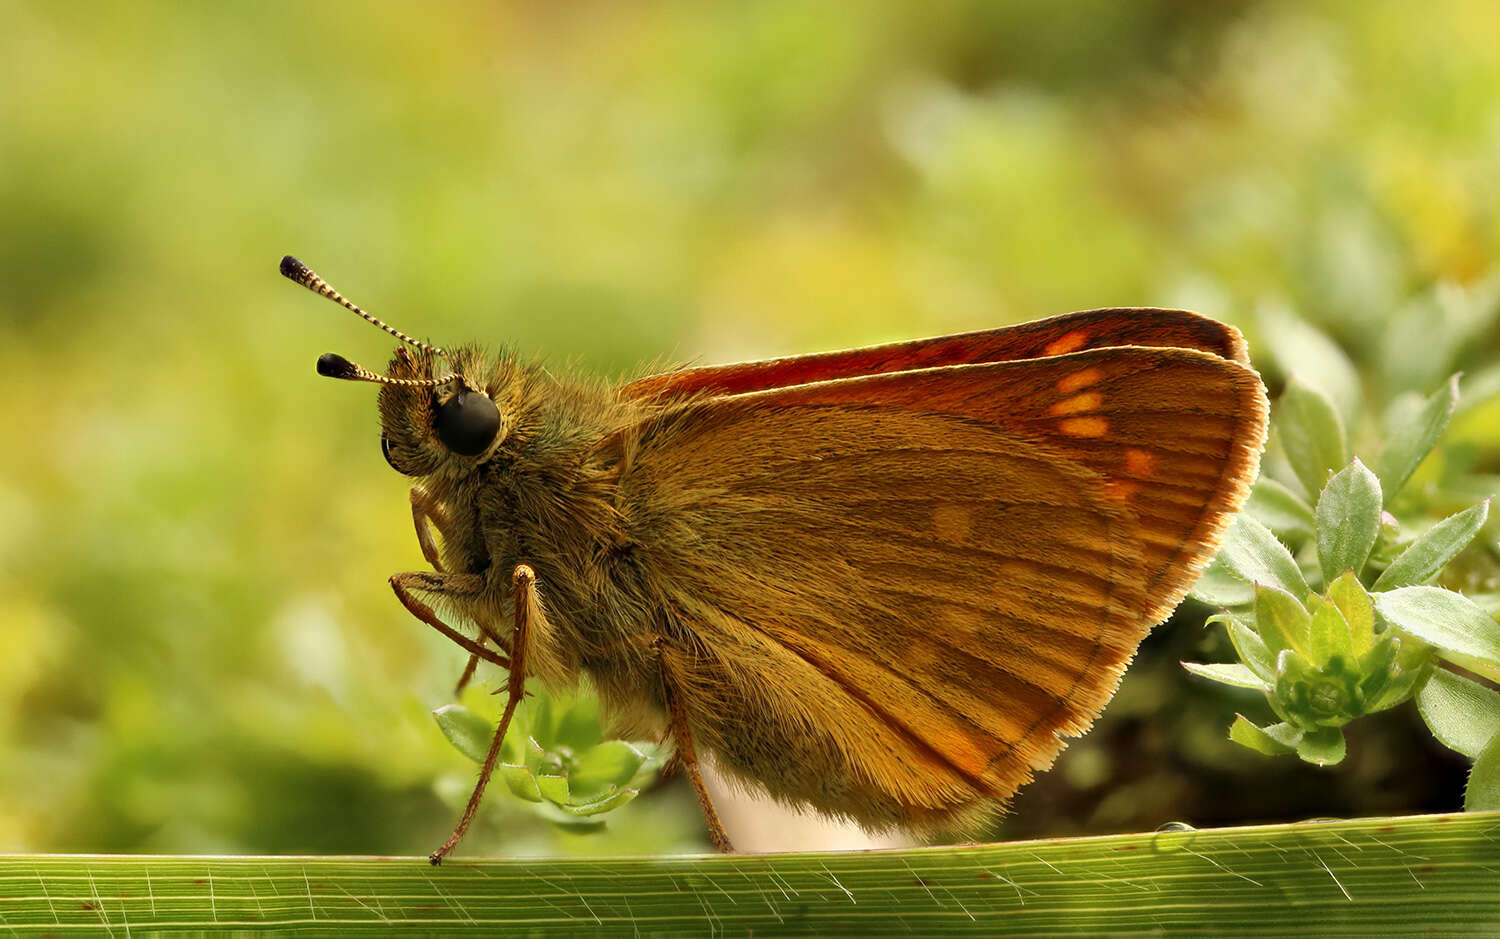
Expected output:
(1338, 617)
(556, 757)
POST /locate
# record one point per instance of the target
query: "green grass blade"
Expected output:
(1360, 877)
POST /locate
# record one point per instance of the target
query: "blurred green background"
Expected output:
(198, 650)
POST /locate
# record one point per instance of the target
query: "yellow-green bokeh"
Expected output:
(198, 651)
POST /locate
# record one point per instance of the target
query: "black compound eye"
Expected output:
(467, 422)
(385, 451)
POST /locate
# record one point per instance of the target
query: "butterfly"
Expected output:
(883, 583)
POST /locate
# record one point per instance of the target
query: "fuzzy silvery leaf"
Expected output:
(1276, 740)
(467, 731)
(1311, 434)
(554, 789)
(1483, 791)
(1412, 429)
(1220, 586)
(1254, 555)
(1250, 648)
(1346, 593)
(612, 763)
(1324, 746)
(1232, 673)
(1328, 632)
(1280, 509)
(1463, 714)
(1348, 516)
(1444, 619)
(520, 781)
(1440, 544)
(604, 803)
(1281, 621)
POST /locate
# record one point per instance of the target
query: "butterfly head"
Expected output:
(434, 414)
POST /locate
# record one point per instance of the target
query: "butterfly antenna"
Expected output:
(336, 366)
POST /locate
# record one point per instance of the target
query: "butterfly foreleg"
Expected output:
(686, 756)
(452, 585)
(428, 513)
(528, 610)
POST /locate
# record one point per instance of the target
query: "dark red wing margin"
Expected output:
(1059, 335)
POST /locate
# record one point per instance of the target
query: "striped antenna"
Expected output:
(333, 365)
(293, 269)
(336, 366)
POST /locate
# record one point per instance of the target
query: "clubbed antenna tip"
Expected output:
(293, 269)
(331, 364)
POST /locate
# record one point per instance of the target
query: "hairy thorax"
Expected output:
(549, 497)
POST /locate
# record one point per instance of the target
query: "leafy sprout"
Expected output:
(556, 757)
(1333, 612)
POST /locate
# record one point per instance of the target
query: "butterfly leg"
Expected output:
(687, 756)
(527, 608)
(428, 513)
(451, 584)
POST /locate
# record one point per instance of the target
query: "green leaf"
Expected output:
(467, 731)
(1248, 646)
(578, 725)
(1404, 668)
(1412, 429)
(1279, 508)
(1328, 632)
(1261, 739)
(611, 763)
(553, 788)
(1379, 667)
(1483, 791)
(1281, 621)
(1324, 746)
(1228, 674)
(1440, 544)
(1444, 619)
(1400, 687)
(1348, 516)
(1311, 433)
(1432, 873)
(541, 719)
(605, 803)
(1219, 586)
(520, 781)
(1462, 714)
(1254, 555)
(1301, 349)
(1348, 594)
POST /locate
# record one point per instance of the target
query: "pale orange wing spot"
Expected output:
(1067, 342)
(1140, 462)
(1079, 379)
(1089, 401)
(1084, 426)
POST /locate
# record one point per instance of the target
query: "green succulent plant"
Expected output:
(1332, 608)
(556, 756)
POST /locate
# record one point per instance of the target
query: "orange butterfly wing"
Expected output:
(932, 573)
(1057, 335)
